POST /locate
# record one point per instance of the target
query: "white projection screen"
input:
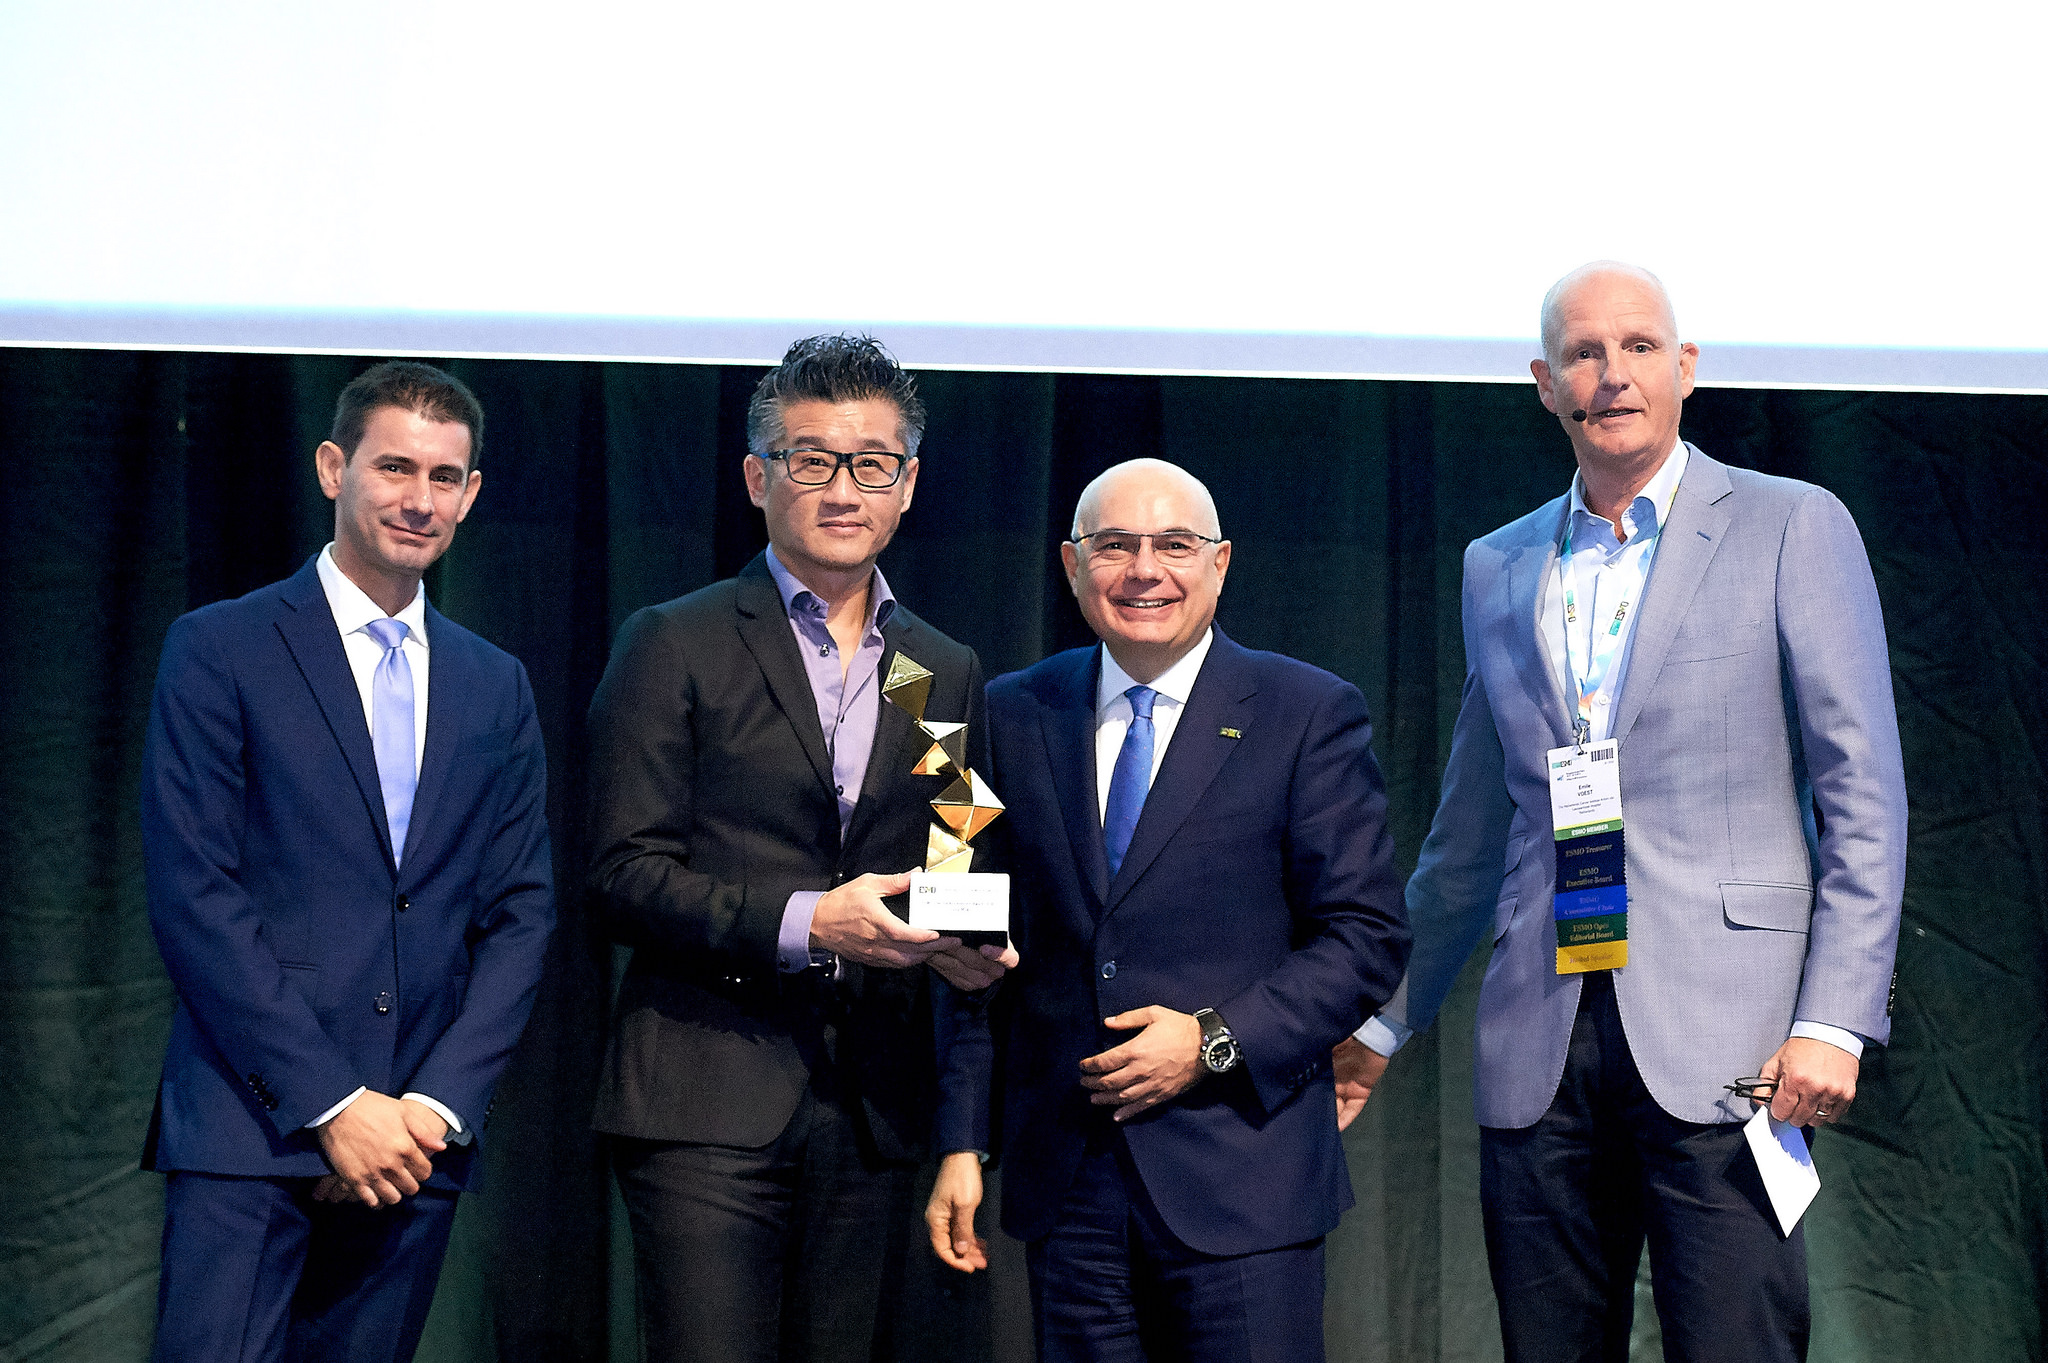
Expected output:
(1840, 195)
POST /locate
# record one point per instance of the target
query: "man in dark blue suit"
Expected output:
(1204, 903)
(345, 840)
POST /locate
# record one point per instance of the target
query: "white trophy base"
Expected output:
(971, 905)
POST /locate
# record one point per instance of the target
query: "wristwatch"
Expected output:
(1219, 1043)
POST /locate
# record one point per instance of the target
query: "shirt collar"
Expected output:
(799, 600)
(1174, 683)
(1658, 493)
(354, 609)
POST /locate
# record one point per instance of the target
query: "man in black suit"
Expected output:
(770, 1080)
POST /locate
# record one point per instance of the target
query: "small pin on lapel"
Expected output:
(1231, 733)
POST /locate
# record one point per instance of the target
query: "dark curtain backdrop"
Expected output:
(140, 485)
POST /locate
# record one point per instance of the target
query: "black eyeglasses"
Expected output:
(1116, 547)
(1757, 1090)
(873, 470)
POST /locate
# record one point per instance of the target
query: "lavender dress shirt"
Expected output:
(849, 705)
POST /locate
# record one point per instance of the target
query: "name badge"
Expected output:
(1591, 895)
(971, 905)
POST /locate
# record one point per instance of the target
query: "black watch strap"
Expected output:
(1220, 1050)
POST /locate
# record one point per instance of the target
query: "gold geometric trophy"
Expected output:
(967, 805)
(944, 852)
(948, 752)
(908, 685)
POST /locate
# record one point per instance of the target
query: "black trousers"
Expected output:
(770, 1255)
(1110, 1283)
(256, 1271)
(1570, 1201)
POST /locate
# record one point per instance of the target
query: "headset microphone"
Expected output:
(1578, 414)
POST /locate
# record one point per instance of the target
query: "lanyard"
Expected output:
(1604, 644)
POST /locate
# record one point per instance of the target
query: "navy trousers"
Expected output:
(256, 1271)
(1110, 1283)
(1570, 1201)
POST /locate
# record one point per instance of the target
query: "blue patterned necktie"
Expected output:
(1130, 779)
(391, 728)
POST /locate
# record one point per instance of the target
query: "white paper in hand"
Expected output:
(1786, 1165)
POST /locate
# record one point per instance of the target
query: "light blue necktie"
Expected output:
(391, 729)
(1130, 779)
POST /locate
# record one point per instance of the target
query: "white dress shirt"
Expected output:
(1113, 713)
(353, 611)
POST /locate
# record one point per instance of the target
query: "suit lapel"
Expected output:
(1528, 580)
(1069, 720)
(1220, 699)
(764, 629)
(442, 685)
(307, 626)
(1687, 544)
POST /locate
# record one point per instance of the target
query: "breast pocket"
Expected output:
(1214, 851)
(1248, 829)
(485, 752)
(1716, 642)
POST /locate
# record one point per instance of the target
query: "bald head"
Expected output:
(1148, 480)
(1615, 375)
(1556, 301)
(1148, 595)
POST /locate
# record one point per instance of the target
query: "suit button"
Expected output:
(383, 1003)
(1109, 970)
(403, 903)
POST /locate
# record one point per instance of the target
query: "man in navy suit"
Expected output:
(345, 840)
(1204, 904)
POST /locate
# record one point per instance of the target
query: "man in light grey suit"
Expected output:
(1724, 627)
